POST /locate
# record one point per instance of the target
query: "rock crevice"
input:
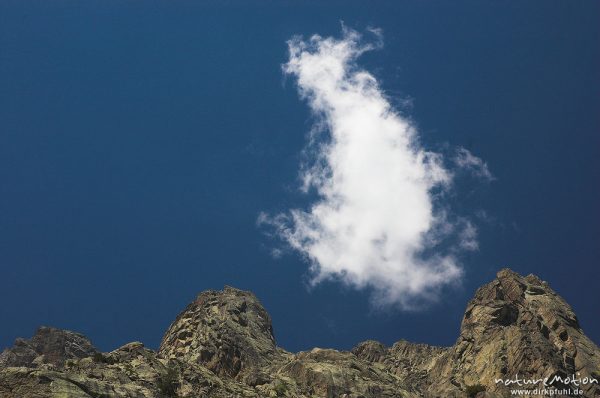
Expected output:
(222, 345)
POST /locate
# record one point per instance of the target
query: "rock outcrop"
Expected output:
(226, 332)
(47, 346)
(515, 326)
(222, 345)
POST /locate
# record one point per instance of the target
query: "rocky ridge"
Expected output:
(222, 345)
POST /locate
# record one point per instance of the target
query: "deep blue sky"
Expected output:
(140, 140)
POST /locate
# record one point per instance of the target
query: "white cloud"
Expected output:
(378, 221)
(468, 236)
(466, 160)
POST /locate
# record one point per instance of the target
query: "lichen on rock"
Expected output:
(222, 345)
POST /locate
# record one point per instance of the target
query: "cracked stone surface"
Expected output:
(222, 345)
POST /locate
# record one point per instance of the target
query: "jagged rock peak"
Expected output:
(48, 346)
(222, 345)
(227, 331)
(515, 325)
(501, 301)
(370, 351)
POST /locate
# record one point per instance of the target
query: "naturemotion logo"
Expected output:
(548, 386)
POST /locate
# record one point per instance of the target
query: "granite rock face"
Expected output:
(227, 332)
(222, 345)
(515, 326)
(47, 346)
